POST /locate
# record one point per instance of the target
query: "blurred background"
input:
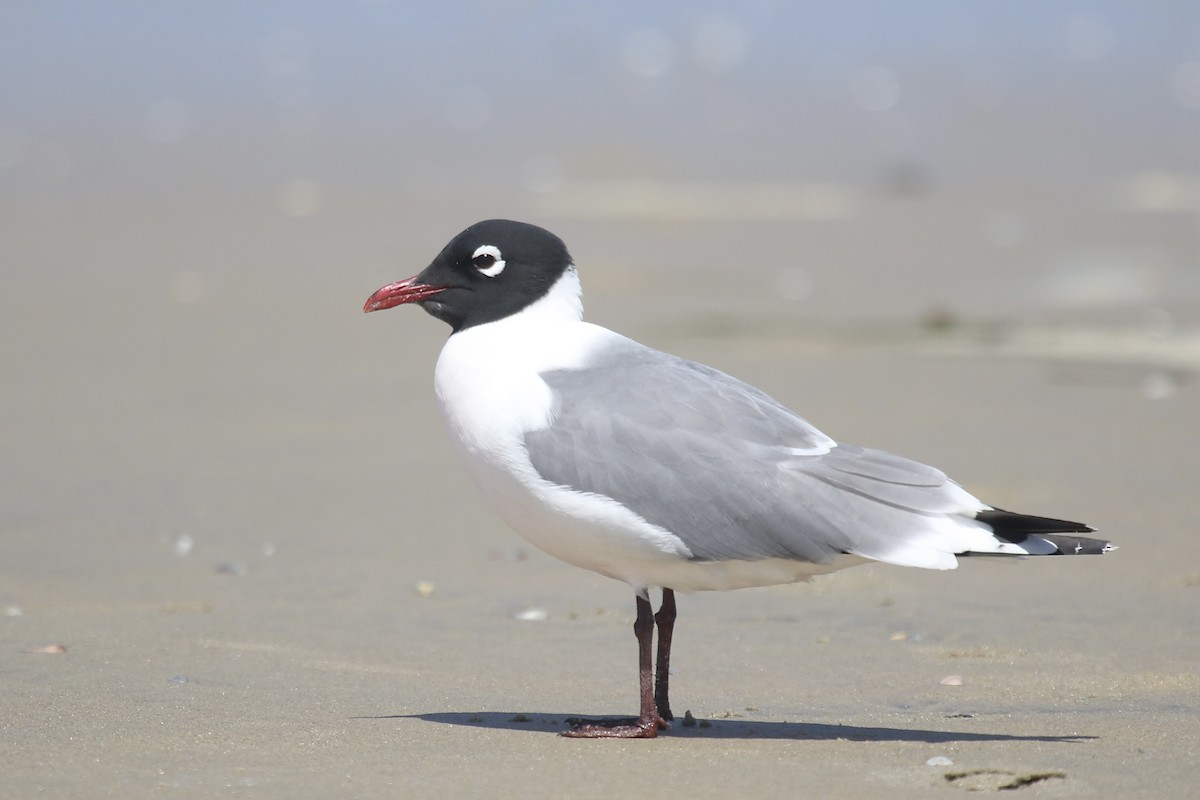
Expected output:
(838, 161)
(196, 198)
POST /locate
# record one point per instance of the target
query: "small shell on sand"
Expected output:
(48, 649)
(951, 680)
(532, 615)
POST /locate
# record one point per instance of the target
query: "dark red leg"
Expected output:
(647, 724)
(665, 618)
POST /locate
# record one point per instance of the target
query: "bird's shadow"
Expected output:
(731, 728)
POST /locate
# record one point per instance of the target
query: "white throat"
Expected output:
(563, 303)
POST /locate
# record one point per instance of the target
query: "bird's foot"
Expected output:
(623, 728)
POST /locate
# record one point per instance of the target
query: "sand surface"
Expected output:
(238, 557)
(242, 521)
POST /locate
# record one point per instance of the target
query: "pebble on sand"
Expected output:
(48, 649)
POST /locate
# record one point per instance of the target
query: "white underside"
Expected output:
(601, 535)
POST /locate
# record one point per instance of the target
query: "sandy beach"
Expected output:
(270, 578)
(239, 558)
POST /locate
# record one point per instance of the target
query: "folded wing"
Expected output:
(737, 476)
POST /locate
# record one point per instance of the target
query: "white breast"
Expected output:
(491, 394)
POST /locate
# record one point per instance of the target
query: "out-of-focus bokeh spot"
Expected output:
(300, 197)
(648, 53)
(875, 88)
(1088, 37)
(167, 121)
(719, 43)
(187, 287)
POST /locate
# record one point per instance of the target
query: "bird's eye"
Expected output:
(487, 261)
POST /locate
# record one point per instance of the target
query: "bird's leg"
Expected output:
(648, 723)
(665, 619)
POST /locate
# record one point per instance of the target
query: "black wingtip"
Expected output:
(1016, 527)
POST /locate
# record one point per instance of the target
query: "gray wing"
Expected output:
(723, 466)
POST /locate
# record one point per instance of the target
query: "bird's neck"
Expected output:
(546, 334)
(563, 303)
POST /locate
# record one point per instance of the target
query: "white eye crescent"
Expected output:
(488, 261)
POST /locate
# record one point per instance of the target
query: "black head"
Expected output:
(491, 270)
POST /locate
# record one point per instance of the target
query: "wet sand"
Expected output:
(232, 504)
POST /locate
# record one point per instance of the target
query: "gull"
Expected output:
(661, 472)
